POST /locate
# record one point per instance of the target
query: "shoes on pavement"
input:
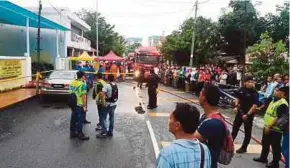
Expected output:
(101, 135)
(110, 134)
(261, 160)
(241, 150)
(272, 165)
(83, 137)
(98, 128)
(87, 122)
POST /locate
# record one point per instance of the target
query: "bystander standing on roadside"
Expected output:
(186, 150)
(100, 100)
(212, 129)
(110, 92)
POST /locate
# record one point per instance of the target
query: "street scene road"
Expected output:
(37, 135)
(71, 77)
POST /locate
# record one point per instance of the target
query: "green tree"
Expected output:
(278, 25)
(268, 57)
(239, 26)
(178, 44)
(108, 38)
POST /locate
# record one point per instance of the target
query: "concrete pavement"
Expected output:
(166, 104)
(34, 135)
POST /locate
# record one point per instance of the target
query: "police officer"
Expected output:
(78, 87)
(245, 106)
(141, 77)
(272, 134)
(152, 84)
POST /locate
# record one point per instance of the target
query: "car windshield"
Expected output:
(63, 75)
(148, 59)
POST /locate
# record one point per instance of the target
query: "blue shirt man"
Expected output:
(186, 151)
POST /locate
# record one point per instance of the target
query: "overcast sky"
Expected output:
(142, 18)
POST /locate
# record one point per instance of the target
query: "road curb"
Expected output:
(16, 103)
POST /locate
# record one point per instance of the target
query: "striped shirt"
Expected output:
(183, 153)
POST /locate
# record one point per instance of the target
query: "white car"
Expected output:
(57, 83)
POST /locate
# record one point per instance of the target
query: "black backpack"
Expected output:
(115, 94)
(72, 100)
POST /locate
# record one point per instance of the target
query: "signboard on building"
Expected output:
(10, 68)
(79, 39)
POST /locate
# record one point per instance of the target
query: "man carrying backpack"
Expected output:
(100, 101)
(110, 93)
(212, 129)
(78, 104)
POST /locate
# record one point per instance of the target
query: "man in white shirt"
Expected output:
(110, 92)
(193, 79)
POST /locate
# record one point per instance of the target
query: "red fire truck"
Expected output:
(146, 58)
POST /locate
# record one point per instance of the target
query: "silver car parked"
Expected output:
(57, 83)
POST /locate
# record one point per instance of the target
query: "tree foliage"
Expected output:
(239, 26)
(268, 57)
(178, 44)
(108, 38)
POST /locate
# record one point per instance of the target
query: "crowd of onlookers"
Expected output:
(195, 78)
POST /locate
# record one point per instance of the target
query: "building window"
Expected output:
(76, 30)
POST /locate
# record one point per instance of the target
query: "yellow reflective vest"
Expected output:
(271, 113)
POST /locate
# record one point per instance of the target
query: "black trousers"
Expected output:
(192, 86)
(199, 87)
(73, 119)
(247, 127)
(152, 96)
(272, 139)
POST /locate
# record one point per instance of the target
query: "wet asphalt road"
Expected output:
(166, 104)
(37, 136)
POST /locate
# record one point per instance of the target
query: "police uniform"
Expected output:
(247, 98)
(273, 138)
(152, 90)
(141, 77)
(76, 124)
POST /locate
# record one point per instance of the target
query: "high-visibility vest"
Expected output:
(271, 113)
(76, 87)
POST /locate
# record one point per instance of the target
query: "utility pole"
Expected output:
(243, 55)
(193, 35)
(38, 32)
(97, 28)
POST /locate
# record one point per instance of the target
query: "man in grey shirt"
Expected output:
(110, 92)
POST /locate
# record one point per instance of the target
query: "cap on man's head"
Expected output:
(284, 89)
(248, 78)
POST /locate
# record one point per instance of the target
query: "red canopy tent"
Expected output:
(111, 56)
